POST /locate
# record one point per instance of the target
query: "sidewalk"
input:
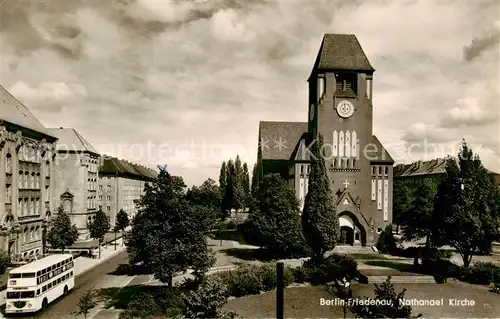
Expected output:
(84, 264)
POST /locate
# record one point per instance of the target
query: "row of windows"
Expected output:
(91, 202)
(29, 207)
(107, 197)
(27, 180)
(108, 187)
(381, 171)
(30, 154)
(53, 273)
(54, 283)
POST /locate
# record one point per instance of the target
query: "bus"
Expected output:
(33, 286)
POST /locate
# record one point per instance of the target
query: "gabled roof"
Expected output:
(278, 140)
(380, 155)
(342, 52)
(113, 165)
(434, 166)
(71, 140)
(14, 112)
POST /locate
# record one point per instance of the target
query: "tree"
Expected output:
(4, 261)
(246, 185)
(402, 198)
(62, 234)
(206, 301)
(275, 216)
(466, 207)
(255, 180)
(394, 308)
(320, 223)
(238, 191)
(169, 233)
(227, 200)
(208, 195)
(86, 302)
(417, 220)
(223, 187)
(122, 221)
(99, 227)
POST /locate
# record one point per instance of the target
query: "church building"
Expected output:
(360, 170)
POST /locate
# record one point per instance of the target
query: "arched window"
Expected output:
(32, 181)
(20, 179)
(37, 180)
(386, 170)
(8, 163)
(26, 176)
(301, 169)
(380, 170)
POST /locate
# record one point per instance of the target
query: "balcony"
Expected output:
(29, 217)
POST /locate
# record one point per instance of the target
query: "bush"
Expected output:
(482, 273)
(386, 242)
(333, 268)
(251, 279)
(300, 274)
(206, 301)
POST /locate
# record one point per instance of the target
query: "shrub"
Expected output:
(333, 268)
(386, 242)
(482, 273)
(206, 301)
(251, 279)
(300, 274)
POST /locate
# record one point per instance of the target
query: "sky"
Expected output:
(185, 83)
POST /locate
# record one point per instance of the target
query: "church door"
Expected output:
(346, 236)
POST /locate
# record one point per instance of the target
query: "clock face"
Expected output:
(345, 109)
(311, 113)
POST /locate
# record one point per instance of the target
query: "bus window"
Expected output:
(44, 288)
(38, 273)
(29, 275)
(71, 273)
(15, 276)
(59, 280)
(38, 292)
(13, 295)
(58, 265)
(27, 294)
(49, 285)
(44, 271)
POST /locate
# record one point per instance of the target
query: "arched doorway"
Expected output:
(352, 233)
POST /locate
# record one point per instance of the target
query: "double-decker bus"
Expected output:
(33, 286)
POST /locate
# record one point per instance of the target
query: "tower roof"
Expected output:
(70, 140)
(342, 52)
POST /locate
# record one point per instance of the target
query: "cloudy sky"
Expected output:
(186, 83)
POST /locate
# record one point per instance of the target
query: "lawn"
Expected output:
(300, 302)
(304, 302)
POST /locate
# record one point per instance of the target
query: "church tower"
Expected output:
(341, 110)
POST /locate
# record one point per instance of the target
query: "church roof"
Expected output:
(278, 140)
(71, 140)
(113, 165)
(382, 155)
(342, 52)
(291, 134)
(15, 112)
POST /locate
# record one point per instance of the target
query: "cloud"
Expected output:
(488, 40)
(172, 74)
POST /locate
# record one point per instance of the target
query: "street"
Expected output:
(97, 278)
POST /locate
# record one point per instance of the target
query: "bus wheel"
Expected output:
(65, 290)
(44, 303)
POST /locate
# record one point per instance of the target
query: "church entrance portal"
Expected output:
(352, 233)
(346, 235)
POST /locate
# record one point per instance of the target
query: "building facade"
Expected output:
(27, 150)
(121, 184)
(430, 171)
(360, 170)
(76, 165)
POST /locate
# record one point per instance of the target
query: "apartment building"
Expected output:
(26, 172)
(121, 184)
(76, 165)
